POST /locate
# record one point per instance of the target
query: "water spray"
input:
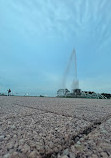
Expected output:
(75, 83)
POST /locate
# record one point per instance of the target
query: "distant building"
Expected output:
(63, 92)
(77, 93)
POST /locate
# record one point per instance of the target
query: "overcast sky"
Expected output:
(38, 36)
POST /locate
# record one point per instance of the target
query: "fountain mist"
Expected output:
(75, 83)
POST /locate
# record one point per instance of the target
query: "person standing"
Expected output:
(9, 91)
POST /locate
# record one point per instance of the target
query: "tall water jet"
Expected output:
(75, 91)
(75, 83)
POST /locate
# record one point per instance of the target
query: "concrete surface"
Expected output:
(34, 127)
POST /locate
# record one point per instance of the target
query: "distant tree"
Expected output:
(108, 96)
